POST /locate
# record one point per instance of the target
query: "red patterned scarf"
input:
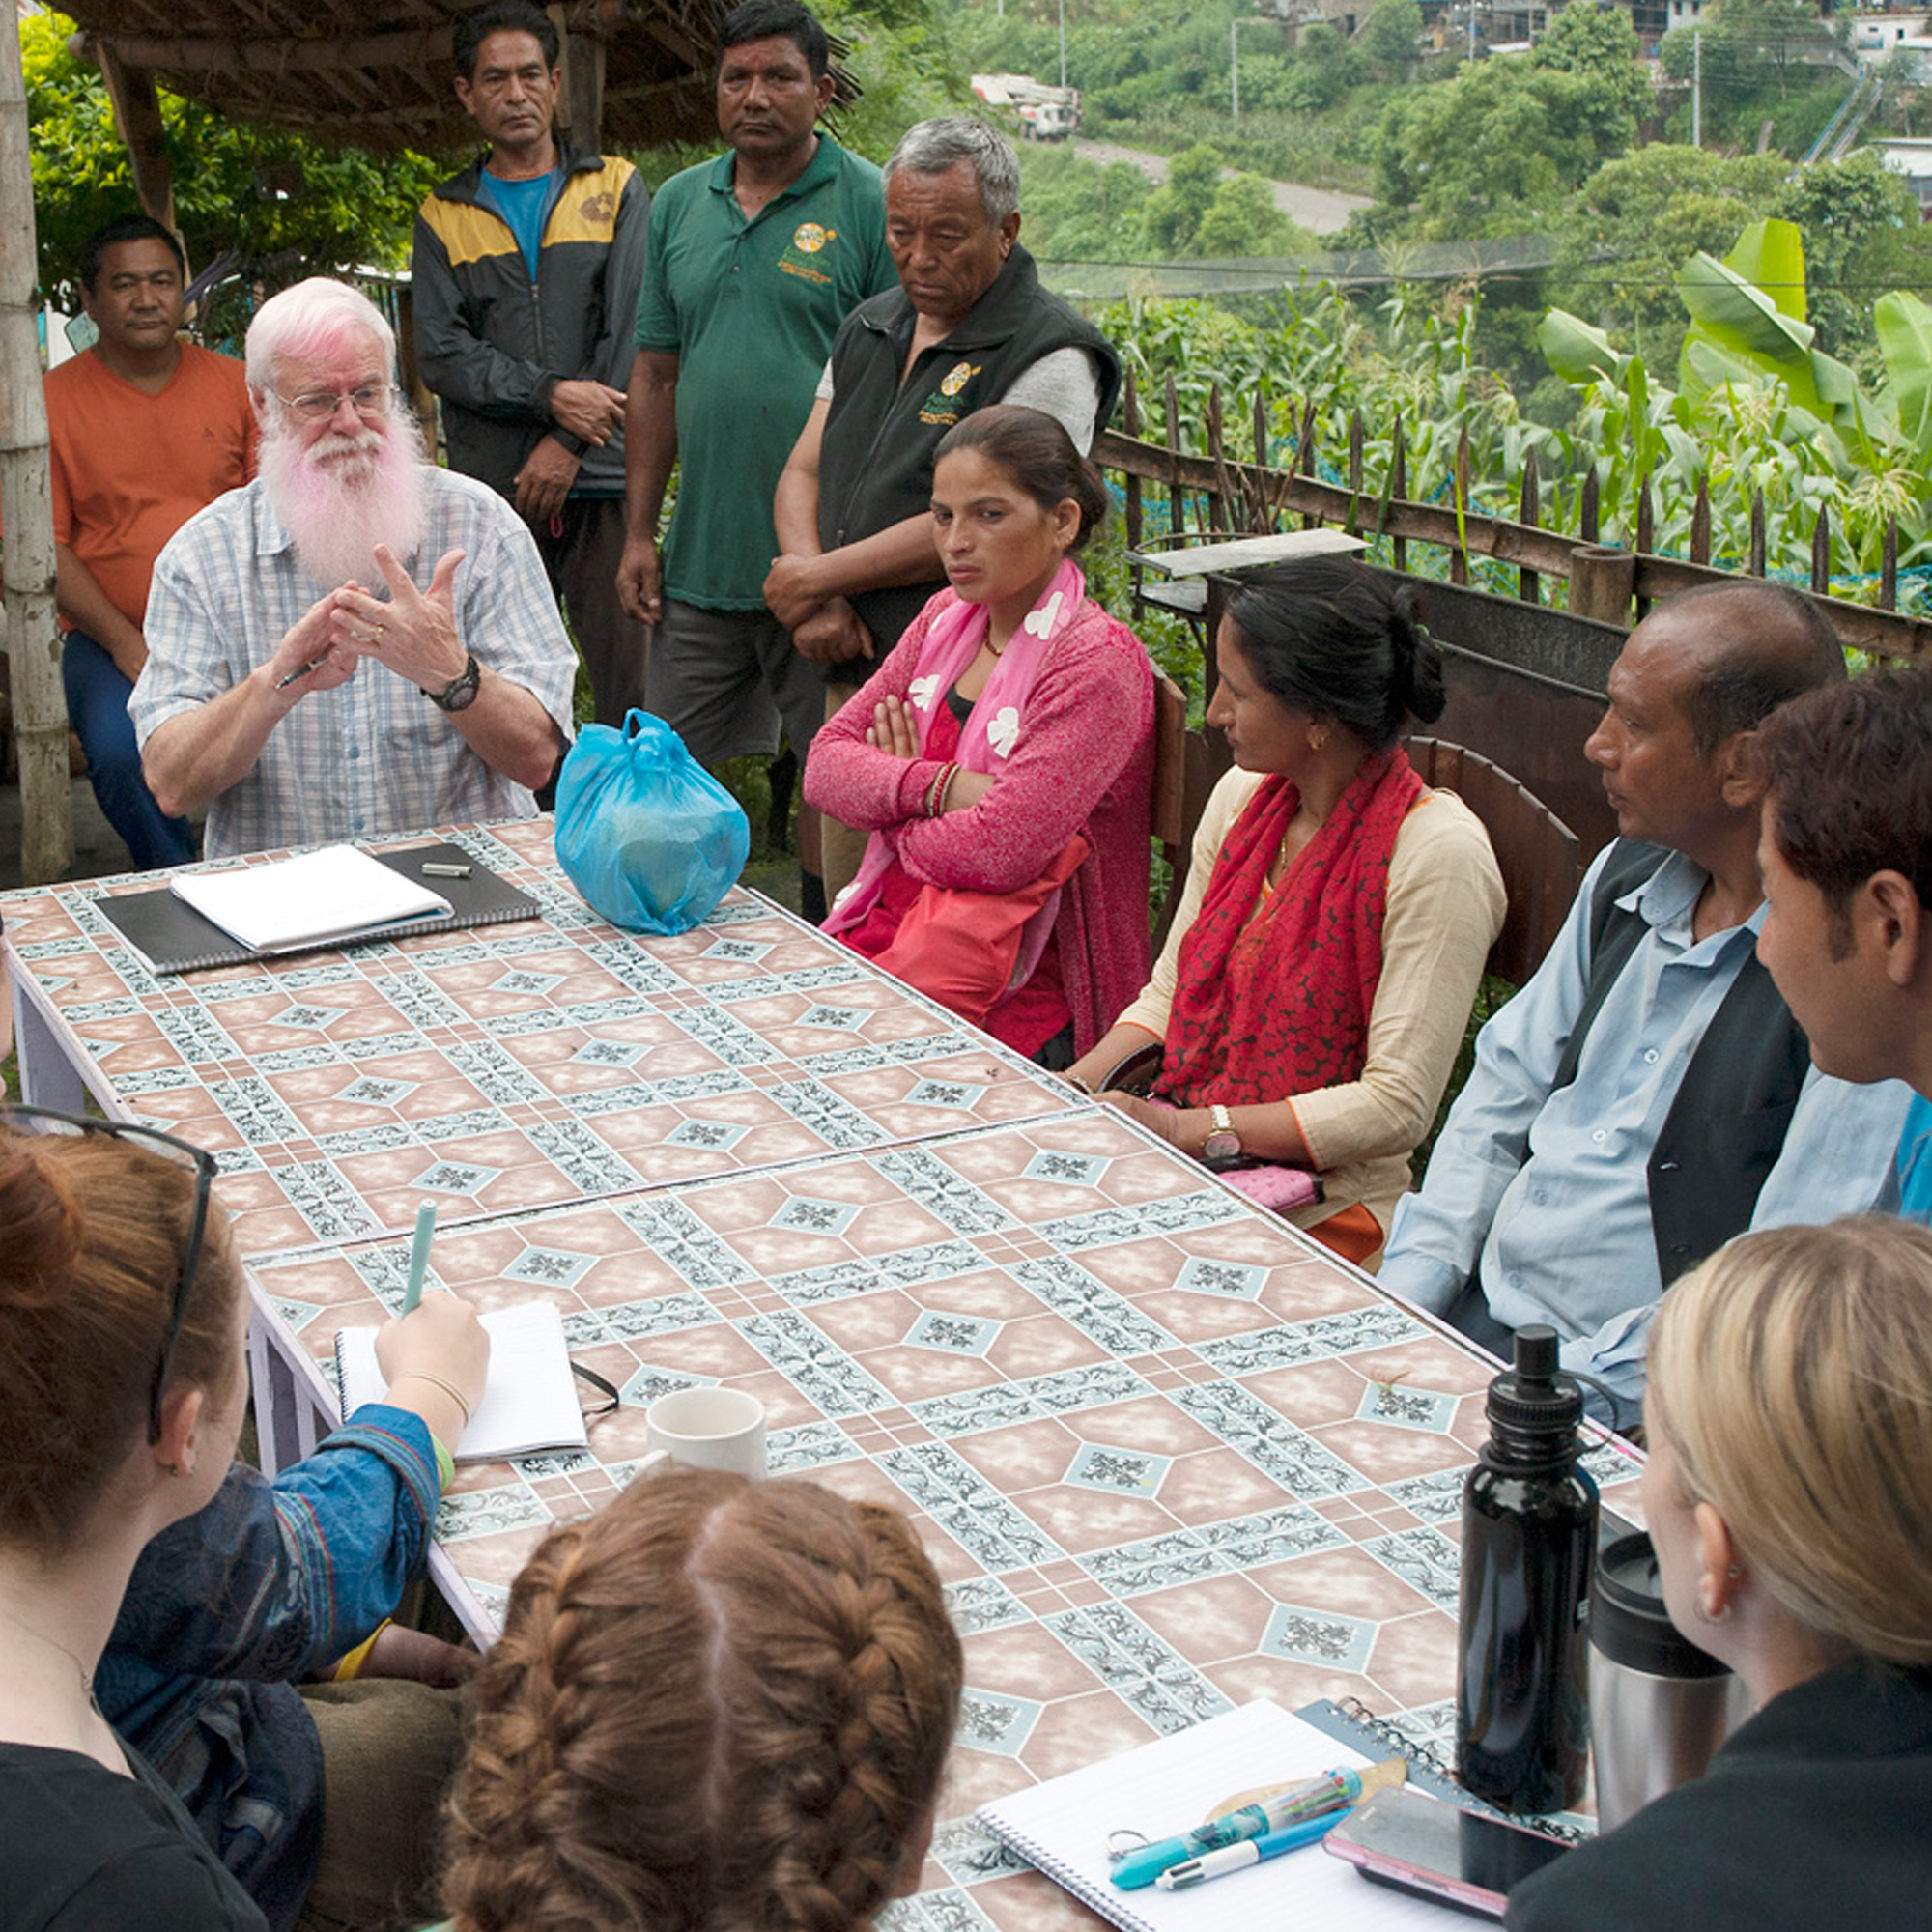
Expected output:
(1276, 1006)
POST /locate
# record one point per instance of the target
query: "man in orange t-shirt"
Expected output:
(144, 431)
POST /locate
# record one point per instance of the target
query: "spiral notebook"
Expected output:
(174, 937)
(529, 1402)
(1167, 1787)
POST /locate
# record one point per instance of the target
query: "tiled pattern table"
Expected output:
(540, 1061)
(1167, 1456)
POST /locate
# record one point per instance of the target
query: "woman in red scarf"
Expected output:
(1314, 991)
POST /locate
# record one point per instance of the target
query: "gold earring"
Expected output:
(1316, 740)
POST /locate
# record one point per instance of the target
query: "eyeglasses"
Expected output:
(170, 1147)
(372, 399)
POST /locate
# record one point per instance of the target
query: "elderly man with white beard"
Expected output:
(356, 642)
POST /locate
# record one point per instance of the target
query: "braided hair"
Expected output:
(717, 1706)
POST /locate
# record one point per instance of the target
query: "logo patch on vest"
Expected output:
(808, 240)
(941, 407)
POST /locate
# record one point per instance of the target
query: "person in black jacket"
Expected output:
(969, 325)
(1789, 1496)
(526, 275)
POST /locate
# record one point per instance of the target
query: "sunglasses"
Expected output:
(47, 1119)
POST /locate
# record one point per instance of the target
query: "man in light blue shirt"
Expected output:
(1846, 853)
(1647, 1096)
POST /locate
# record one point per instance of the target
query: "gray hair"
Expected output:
(311, 322)
(932, 147)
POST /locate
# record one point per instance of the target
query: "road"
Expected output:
(1318, 209)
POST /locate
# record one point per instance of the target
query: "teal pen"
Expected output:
(1333, 1791)
(420, 1256)
(1249, 1852)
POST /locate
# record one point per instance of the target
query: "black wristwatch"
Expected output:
(460, 693)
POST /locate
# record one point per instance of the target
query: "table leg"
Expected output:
(48, 1074)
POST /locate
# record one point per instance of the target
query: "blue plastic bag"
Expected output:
(649, 837)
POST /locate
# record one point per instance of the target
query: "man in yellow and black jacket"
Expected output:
(526, 275)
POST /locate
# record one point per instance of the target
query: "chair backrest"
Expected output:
(1185, 770)
(1538, 855)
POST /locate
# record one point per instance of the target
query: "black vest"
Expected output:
(876, 461)
(1726, 1127)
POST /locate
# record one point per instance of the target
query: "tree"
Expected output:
(1601, 44)
(348, 207)
(1393, 37)
(1242, 219)
(1176, 210)
(1494, 150)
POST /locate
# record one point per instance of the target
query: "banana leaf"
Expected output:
(1904, 327)
(1577, 352)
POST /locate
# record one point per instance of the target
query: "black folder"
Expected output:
(174, 938)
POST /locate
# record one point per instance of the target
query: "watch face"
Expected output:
(1221, 1144)
(460, 693)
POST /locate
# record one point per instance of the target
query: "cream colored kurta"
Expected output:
(1445, 907)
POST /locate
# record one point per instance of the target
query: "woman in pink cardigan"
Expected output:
(1002, 758)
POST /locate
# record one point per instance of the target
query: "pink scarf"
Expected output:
(952, 641)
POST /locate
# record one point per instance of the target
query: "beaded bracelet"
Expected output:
(946, 790)
(935, 792)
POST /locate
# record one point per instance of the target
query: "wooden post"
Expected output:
(33, 645)
(1304, 457)
(1177, 496)
(1588, 511)
(1399, 488)
(1888, 568)
(1821, 552)
(1646, 534)
(1219, 517)
(137, 113)
(581, 107)
(1458, 557)
(1530, 511)
(1355, 472)
(1701, 524)
(1602, 580)
(1756, 564)
(1130, 421)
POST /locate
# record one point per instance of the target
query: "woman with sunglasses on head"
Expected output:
(715, 1706)
(1316, 984)
(1789, 1497)
(1002, 758)
(123, 1378)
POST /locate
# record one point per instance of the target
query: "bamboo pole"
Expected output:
(1458, 557)
(26, 512)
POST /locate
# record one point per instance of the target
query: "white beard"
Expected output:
(342, 494)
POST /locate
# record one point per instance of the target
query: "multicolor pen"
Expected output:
(1249, 1852)
(1334, 1791)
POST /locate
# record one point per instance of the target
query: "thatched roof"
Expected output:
(379, 75)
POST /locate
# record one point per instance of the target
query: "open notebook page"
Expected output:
(1167, 1787)
(529, 1402)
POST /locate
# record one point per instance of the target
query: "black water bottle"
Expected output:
(1529, 1534)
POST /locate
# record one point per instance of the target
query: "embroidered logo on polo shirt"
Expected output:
(808, 240)
(941, 407)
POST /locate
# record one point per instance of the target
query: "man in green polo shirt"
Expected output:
(751, 262)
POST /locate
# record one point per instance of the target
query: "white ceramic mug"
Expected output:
(706, 1428)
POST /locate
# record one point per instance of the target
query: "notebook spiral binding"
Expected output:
(1418, 1753)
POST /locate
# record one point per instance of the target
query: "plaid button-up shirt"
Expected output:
(373, 755)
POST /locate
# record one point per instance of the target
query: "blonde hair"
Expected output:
(96, 1228)
(1792, 1374)
(718, 1704)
